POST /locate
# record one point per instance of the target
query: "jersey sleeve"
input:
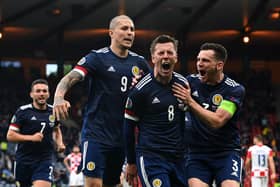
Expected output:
(131, 119)
(17, 120)
(87, 64)
(236, 96)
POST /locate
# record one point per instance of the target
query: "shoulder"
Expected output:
(94, 54)
(251, 148)
(103, 50)
(234, 86)
(192, 77)
(146, 80)
(267, 148)
(180, 77)
(133, 54)
(50, 107)
(25, 107)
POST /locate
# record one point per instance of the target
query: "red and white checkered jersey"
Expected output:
(75, 160)
(259, 159)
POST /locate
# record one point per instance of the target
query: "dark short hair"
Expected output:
(39, 81)
(219, 50)
(163, 39)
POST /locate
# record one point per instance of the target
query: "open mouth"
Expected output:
(128, 39)
(166, 66)
(202, 72)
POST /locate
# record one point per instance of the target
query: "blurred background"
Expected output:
(46, 38)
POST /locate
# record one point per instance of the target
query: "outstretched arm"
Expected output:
(60, 105)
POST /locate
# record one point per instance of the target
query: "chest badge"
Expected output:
(135, 70)
(51, 119)
(217, 99)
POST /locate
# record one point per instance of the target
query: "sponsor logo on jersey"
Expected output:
(111, 69)
(90, 166)
(155, 100)
(82, 61)
(217, 99)
(195, 93)
(135, 70)
(33, 118)
(157, 183)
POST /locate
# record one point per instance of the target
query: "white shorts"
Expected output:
(76, 179)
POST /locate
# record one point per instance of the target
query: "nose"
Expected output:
(199, 63)
(165, 55)
(130, 31)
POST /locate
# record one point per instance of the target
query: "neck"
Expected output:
(39, 107)
(120, 52)
(218, 78)
(162, 79)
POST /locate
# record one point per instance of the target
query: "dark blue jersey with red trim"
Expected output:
(110, 79)
(159, 116)
(201, 137)
(28, 120)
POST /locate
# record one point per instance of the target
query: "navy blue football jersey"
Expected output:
(159, 116)
(110, 79)
(201, 137)
(28, 120)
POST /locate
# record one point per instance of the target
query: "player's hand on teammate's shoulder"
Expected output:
(61, 108)
(182, 92)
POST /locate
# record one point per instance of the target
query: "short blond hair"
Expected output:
(115, 20)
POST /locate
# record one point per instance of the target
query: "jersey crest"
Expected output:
(217, 99)
(135, 70)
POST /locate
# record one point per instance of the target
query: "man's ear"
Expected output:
(110, 33)
(220, 65)
(153, 59)
(31, 94)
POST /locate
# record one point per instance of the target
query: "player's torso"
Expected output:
(33, 121)
(110, 80)
(259, 156)
(37, 121)
(114, 74)
(210, 98)
(161, 119)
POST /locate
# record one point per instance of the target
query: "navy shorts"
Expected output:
(27, 173)
(156, 171)
(218, 167)
(100, 162)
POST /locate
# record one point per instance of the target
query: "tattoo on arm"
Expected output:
(67, 82)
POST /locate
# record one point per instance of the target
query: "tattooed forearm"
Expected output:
(66, 83)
